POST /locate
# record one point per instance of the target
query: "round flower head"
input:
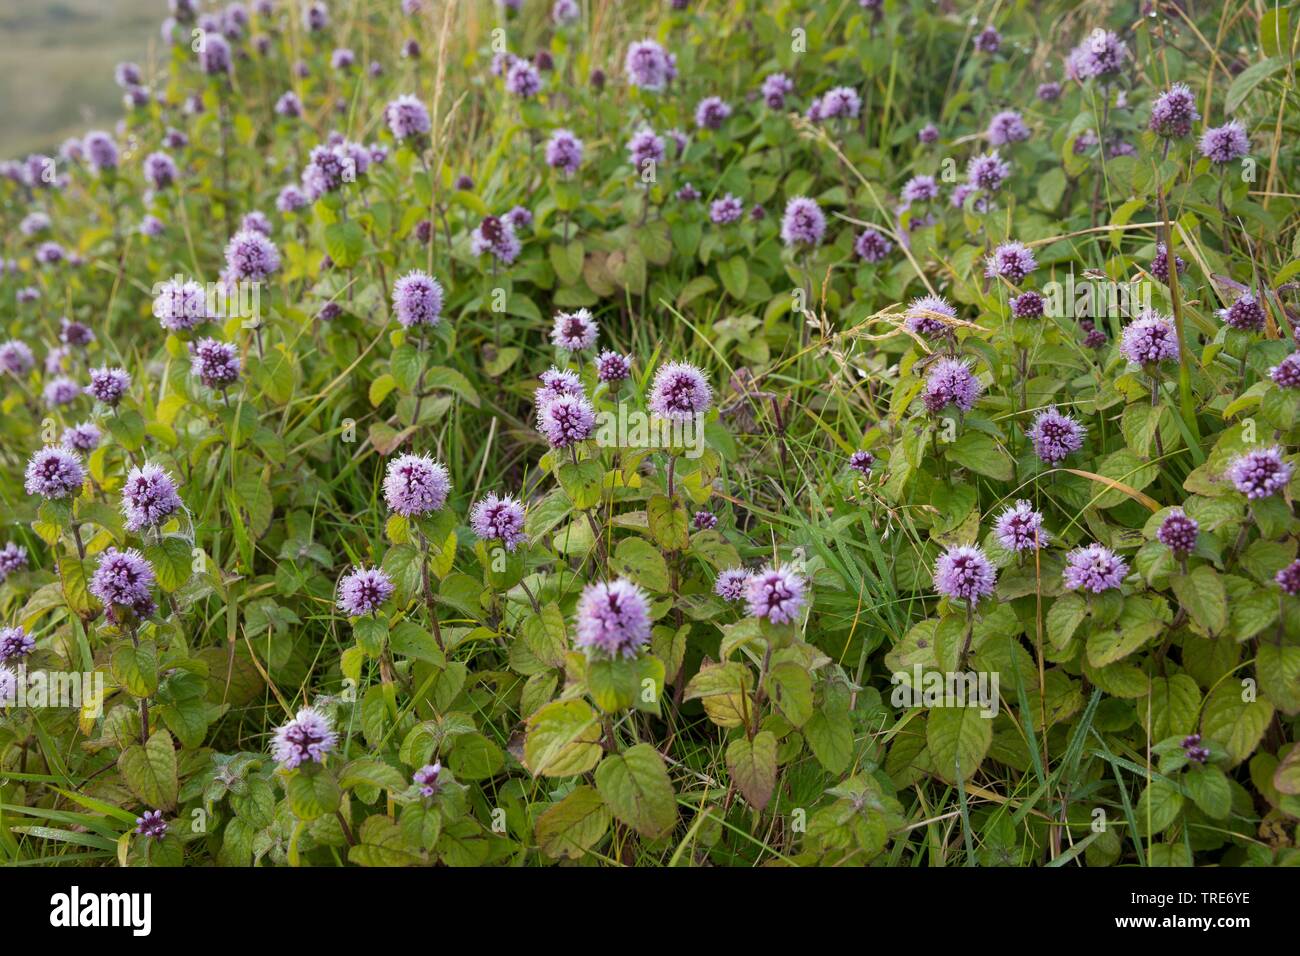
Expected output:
(84, 437)
(1245, 314)
(15, 643)
(215, 364)
(305, 739)
(180, 305)
(680, 391)
(1011, 261)
(523, 80)
(1223, 144)
(1160, 264)
(1286, 373)
(159, 170)
(315, 17)
(407, 118)
(732, 584)
(925, 316)
(362, 590)
(1288, 579)
(1259, 473)
(1049, 92)
(60, 391)
(928, 134)
(557, 382)
(250, 255)
(841, 102)
(704, 521)
(964, 573)
(519, 218)
(951, 382)
(872, 246)
(290, 106)
(1178, 532)
(257, 222)
(426, 778)
(417, 299)
(647, 65)
(1101, 56)
(54, 472)
(13, 558)
(16, 357)
(803, 223)
(123, 578)
(645, 148)
(34, 224)
(988, 40)
(343, 59)
(574, 331)
(1174, 112)
(49, 253)
(726, 210)
(565, 12)
(1149, 340)
(564, 152)
(612, 367)
(711, 112)
(415, 485)
(566, 420)
(1020, 528)
(613, 619)
(776, 594)
(1193, 750)
(862, 462)
(496, 236)
(920, 189)
(108, 385)
(1007, 127)
(1027, 305)
(1093, 568)
(151, 825)
(1056, 436)
(149, 497)
(214, 55)
(776, 87)
(498, 519)
(987, 171)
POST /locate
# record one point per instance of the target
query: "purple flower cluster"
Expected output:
(1011, 261)
(1093, 568)
(1020, 528)
(13, 558)
(732, 584)
(1160, 264)
(1150, 340)
(151, 825)
(426, 778)
(1286, 373)
(1055, 436)
(862, 462)
(712, 112)
(964, 573)
(363, 591)
(251, 255)
(776, 87)
(803, 224)
(951, 382)
(1288, 579)
(612, 367)
(566, 420)
(564, 152)
(417, 300)
(1259, 473)
(499, 519)
(407, 118)
(306, 738)
(680, 391)
(15, 643)
(149, 497)
(215, 364)
(179, 306)
(726, 210)
(987, 171)
(648, 66)
(1223, 144)
(613, 619)
(574, 331)
(1174, 112)
(925, 316)
(1100, 57)
(1178, 532)
(495, 236)
(54, 472)
(1245, 314)
(872, 247)
(416, 485)
(776, 594)
(124, 579)
(1007, 127)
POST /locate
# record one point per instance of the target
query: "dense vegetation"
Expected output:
(620, 433)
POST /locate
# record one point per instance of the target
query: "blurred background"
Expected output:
(56, 65)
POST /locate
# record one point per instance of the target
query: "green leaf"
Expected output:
(582, 482)
(790, 687)
(312, 792)
(172, 560)
(1249, 78)
(735, 276)
(563, 739)
(474, 757)
(668, 523)
(1235, 723)
(637, 790)
(345, 242)
(1158, 807)
(1209, 790)
(150, 770)
(980, 453)
(958, 738)
(752, 765)
(830, 735)
(136, 668)
(639, 560)
(574, 825)
(1202, 595)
